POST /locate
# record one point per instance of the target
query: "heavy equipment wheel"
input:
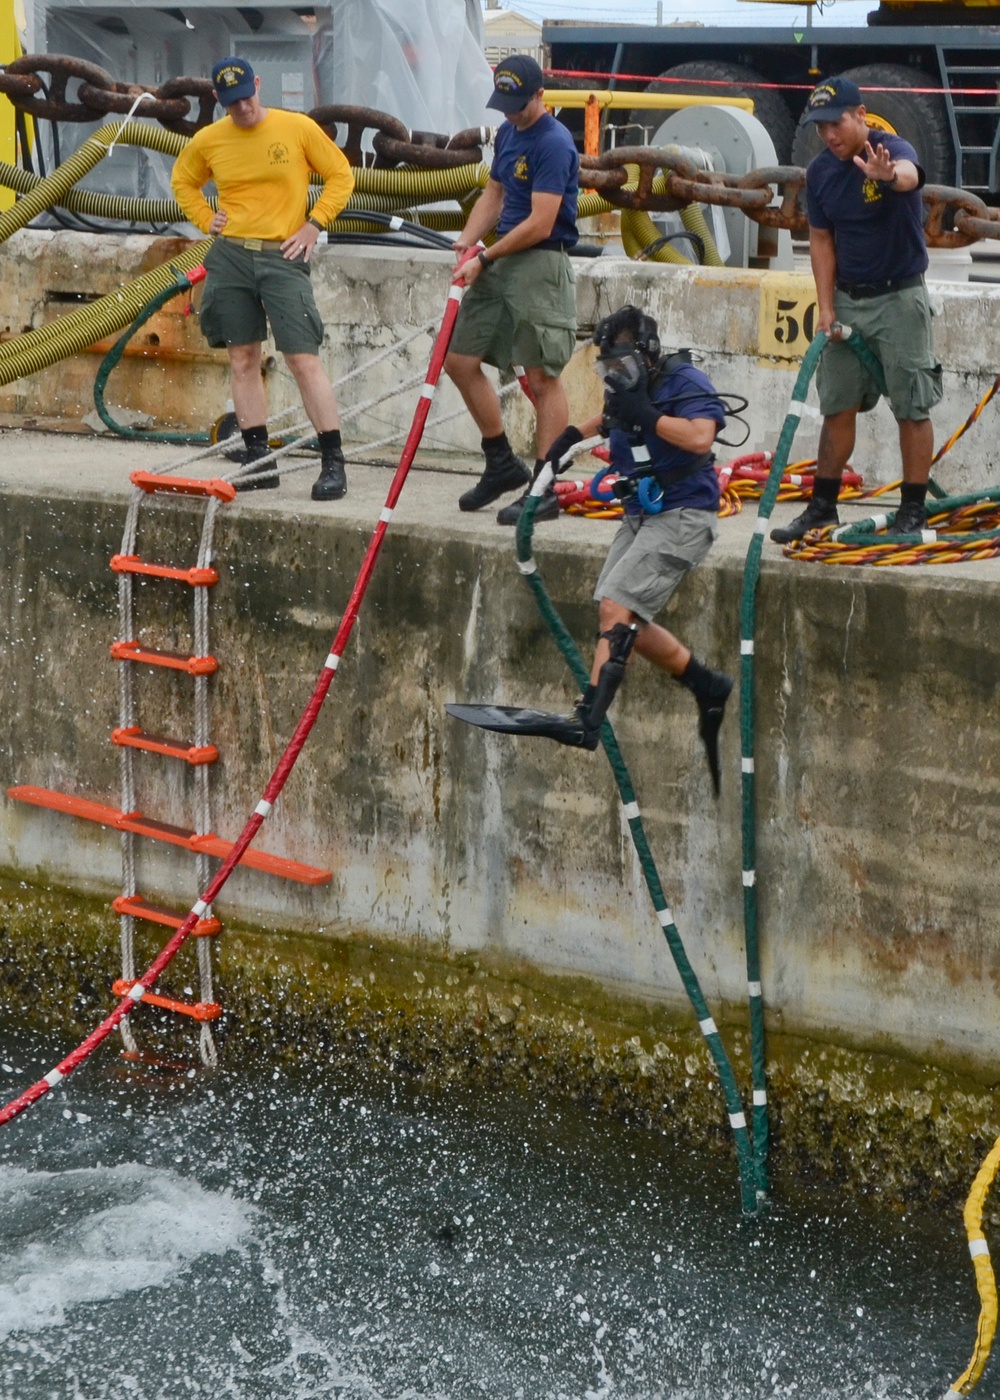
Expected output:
(702, 79)
(225, 427)
(919, 117)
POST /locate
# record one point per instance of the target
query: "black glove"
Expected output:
(568, 438)
(633, 408)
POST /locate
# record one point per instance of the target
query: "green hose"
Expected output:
(748, 624)
(752, 1189)
(181, 284)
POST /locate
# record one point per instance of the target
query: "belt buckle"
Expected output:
(255, 245)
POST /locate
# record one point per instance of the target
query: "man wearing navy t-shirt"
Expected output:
(868, 257)
(521, 306)
(661, 414)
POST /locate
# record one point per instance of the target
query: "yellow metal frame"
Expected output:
(10, 48)
(595, 101)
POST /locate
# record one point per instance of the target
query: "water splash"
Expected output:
(94, 1235)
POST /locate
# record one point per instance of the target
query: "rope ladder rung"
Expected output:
(160, 656)
(206, 843)
(198, 1010)
(149, 482)
(157, 914)
(133, 737)
(132, 564)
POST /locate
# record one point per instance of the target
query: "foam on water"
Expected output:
(304, 1237)
(94, 1234)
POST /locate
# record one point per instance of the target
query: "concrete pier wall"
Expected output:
(745, 326)
(878, 752)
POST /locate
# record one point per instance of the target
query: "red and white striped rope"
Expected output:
(288, 759)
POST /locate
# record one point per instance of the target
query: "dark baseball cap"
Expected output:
(829, 101)
(515, 82)
(233, 79)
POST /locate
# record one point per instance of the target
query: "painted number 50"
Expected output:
(794, 319)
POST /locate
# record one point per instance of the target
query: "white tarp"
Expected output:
(420, 60)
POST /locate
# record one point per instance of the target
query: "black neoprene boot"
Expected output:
(582, 729)
(504, 472)
(711, 690)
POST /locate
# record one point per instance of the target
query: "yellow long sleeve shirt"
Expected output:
(262, 175)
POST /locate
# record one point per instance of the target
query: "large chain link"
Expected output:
(629, 177)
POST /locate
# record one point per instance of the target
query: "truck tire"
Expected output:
(919, 117)
(769, 107)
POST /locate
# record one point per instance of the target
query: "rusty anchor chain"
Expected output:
(628, 177)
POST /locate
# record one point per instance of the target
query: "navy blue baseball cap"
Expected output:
(515, 82)
(829, 101)
(233, 79)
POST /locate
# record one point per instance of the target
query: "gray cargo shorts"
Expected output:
(650, 555)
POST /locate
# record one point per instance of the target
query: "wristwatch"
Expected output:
(315, 223)
(484, 260)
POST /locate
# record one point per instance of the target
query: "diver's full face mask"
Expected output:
(622, 368)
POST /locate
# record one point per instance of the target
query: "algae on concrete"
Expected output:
(868, 1124)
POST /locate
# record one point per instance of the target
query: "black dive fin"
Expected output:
(512, 719)
(711, 713)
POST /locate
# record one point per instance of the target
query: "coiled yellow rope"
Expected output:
(986, 1284)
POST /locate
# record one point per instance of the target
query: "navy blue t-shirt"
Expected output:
(877, 231)
(684, 393)
(543, 158)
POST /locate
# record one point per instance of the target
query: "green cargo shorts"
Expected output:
(244, 290)
(650, 555)
(897, 328)
(521, 310)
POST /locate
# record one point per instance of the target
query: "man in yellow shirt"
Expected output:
(258, 267)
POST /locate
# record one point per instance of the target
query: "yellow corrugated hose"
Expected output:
(53, 188)
(639, 231)
(986, 1284)
(36, 350)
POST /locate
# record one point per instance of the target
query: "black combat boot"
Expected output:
(331, 483)
(257, 447)
(504, 472)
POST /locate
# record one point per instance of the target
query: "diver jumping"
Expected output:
(661, 417)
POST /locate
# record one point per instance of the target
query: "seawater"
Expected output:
(275, 1233)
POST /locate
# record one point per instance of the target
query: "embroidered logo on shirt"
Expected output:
(521, 168)
(278, 153)
(871, 191)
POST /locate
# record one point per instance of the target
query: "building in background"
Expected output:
(509, 32)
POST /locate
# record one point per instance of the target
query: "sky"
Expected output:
(739, 13)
